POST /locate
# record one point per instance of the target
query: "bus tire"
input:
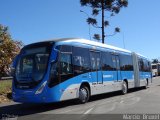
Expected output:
(84, 94)
(124, 88)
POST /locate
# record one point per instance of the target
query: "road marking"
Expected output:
(121, 101)
(128, 96)
(88, 111)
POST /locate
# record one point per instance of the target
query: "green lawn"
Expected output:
(5, 86)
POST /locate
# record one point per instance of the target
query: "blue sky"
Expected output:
(36, 20)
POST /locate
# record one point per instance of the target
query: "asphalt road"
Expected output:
(111, 106)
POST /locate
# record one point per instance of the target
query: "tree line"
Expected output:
(155, 61)
(9, 48)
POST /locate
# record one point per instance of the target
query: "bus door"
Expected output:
(96, 67)
(116, 67)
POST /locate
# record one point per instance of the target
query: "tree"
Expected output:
(155, 61)
(111, 6)
(8, 50)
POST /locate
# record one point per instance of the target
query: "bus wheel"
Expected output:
(83, 94)
(124, 87)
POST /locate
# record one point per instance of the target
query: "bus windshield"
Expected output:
(32, 66)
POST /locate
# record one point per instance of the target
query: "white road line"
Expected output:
(128, 96)
(121, 101)
(88, 111)
(104, 103)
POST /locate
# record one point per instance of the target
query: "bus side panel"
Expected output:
(142, 78)
(145, 76)
(103, 87)
(69, 89)
(129, 76)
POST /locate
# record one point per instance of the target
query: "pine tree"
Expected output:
(110, 6)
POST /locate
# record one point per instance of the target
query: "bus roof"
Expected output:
(88, 42)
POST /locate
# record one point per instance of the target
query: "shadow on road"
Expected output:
(30, 109)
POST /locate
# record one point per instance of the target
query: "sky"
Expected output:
(36, 20)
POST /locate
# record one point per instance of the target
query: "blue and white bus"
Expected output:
(64, 69)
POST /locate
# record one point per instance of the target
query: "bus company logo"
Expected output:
(107, 76)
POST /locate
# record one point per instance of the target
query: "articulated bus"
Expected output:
(64, 69)
(155, 69)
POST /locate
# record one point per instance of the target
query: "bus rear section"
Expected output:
(142, 70)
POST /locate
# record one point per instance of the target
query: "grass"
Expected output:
(5, 91)
(5, 86)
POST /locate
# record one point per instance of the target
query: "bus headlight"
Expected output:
(41, 88)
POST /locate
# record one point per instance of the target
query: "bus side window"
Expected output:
(65, 64)
(141, 64)
(147, 66)
(126, 63)
(93, 63)
(81, 61)
(114, 62)
(107, 64)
